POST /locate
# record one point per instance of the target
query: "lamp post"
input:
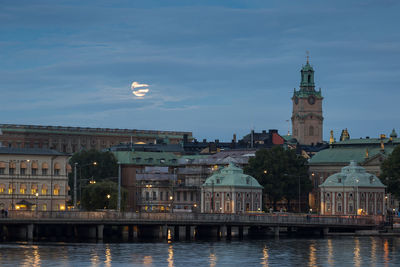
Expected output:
(76, 180)
(37, 198)
(119, 187)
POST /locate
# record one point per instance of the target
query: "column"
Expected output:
(100, 230)
(223, 231)
(182, 232)
(29, 232)
(192, 232)
(276, 231)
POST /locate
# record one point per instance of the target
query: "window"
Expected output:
(2, 188)
(185, 196)
(147, 196)
(154, 195)
(178, 195)
(311, 131)
(161, 195)
(56, 190)
(339, 207)
(227, 206)
(34, 171)
(44, 190)
(22, 171)
(2, 170)
(11, 189)
(11, 171)
(44, 207)
(218, 181)
(56, 172)
(191, 196)
(44, 171)
(22, 189)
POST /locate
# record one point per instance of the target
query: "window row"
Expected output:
(33, 190)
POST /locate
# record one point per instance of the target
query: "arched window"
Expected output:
(44, 189)
(311, 130)
(309, 78)
(56, 190)
(57, 168)
(45, 167)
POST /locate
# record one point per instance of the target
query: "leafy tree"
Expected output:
(92, 165)
(390, 174)
(279, 171)
(95, 196)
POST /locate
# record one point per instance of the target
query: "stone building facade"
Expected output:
(307, 119)
(33, 179)
(228, 190)
(74, 139)
(353, 191)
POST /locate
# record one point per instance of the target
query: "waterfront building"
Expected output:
(75, 139)
(366, 152)
(33, 179)
(229, 190)
(353, 191)
(307, 119)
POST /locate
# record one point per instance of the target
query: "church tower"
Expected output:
(307, 116)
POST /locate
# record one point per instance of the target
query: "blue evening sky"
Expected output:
(213, 67)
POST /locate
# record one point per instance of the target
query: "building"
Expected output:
(74, 139)
(33, 179)
(307, 119)
(352, 191)
(228, 190)
(261, 140)
(366, 152)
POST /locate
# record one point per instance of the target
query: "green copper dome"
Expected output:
(232, 176)
(352, 176)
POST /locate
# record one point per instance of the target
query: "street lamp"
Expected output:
(76, 179)
(171, 198)
(37, 197)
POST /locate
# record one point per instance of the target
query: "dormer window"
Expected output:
(218, 181)
(339, 180)
(248, 180)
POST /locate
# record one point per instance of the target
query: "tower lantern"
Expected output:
(307, 119)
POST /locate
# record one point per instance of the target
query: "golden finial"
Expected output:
(366, 153)
(308, 56)
(331, 139)
(382, 146)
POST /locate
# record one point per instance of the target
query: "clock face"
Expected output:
(296, 100)
(311, 100)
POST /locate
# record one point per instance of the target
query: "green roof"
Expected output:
(232, 176)
(352, 176)
(368, 141)
(346, 154)
(146, 158)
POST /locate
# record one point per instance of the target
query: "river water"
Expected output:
(336, 251)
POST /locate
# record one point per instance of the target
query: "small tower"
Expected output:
(307, 119)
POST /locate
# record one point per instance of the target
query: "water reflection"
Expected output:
(331, 261)
(373, 251)
(108, 260)
(31, 256)
(148, 260)
(312, 261)
(265, 257)
(170, 256)
(95, 259)
(357, 257)
(212, 259)
(386, 252)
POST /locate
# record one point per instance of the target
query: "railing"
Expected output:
(201, 218)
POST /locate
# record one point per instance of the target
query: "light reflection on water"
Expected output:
(340, 251)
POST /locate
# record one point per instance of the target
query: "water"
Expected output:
(338, 251)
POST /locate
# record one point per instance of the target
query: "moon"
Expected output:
(139, 90)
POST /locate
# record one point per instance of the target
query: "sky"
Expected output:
(213, 68)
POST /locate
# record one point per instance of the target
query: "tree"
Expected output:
(390, 174)
(102, 195)
(92, 166)
(280, 171)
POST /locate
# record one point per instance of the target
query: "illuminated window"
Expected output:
(22, 191)
(44, 207)
(56, 190)
(10, 189)
(44, 190)
(2, 188)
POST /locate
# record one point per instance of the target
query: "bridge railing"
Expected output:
(275, 218)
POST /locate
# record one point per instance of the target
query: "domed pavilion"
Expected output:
(229, 190)
(352, 191)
